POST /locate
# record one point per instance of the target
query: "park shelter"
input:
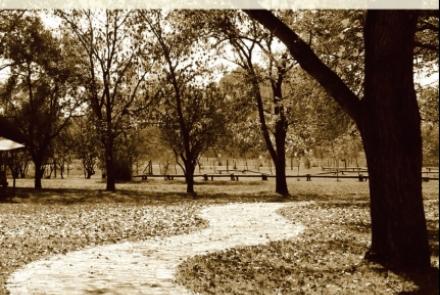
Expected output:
(7, 146)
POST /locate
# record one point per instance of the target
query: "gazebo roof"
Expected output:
(9, 145)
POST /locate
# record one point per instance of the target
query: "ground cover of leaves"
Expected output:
(30, 231)
(74, 213)
(326, 259)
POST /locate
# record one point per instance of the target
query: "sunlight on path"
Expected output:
(148, 267)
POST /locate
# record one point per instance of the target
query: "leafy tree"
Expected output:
(188, 111)
(248, 39)
(202, 114)
(40, 88)
(428, 102)
(62, 151)
(116, 63)
(389, 123)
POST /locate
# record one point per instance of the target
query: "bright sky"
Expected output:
(422, 78)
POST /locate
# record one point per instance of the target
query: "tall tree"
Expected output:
(183, 65)
(389, 123)
(40, 88)
(202, 110)
(116, 64)
(250, 42)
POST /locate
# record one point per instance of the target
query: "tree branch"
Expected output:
(308, 60)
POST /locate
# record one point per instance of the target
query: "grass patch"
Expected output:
(326, 259)
(154, 192)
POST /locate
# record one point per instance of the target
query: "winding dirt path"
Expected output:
(148, 267)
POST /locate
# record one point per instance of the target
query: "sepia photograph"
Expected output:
(226, 148)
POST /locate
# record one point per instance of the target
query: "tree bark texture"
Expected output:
(390, 128)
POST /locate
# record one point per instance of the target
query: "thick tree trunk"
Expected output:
(38, 175)
(189, 177)
(390, 128)
(280, 138)
(281, 183)
(280, 160)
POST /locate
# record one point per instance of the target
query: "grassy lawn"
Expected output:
(326, 259)
(76, 213)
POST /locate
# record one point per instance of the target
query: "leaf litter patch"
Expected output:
(29, 232)
(326, 259)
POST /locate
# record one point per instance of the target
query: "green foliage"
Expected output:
(426, 41)
(336, 36)
(243, 135)
(428, 98)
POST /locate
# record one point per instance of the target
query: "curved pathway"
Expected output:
(148, 267)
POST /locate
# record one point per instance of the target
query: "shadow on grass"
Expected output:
(427, 281)
(67, 196)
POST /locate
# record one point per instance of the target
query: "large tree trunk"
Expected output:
(280, 160)
(189, 177)
(281, 183)
(39, 171)
(281, 126)
(390, 128)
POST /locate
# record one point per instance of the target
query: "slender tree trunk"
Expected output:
(55, 169)
(390, 129)
(110, 180)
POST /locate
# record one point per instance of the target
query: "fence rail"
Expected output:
(236, 177)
